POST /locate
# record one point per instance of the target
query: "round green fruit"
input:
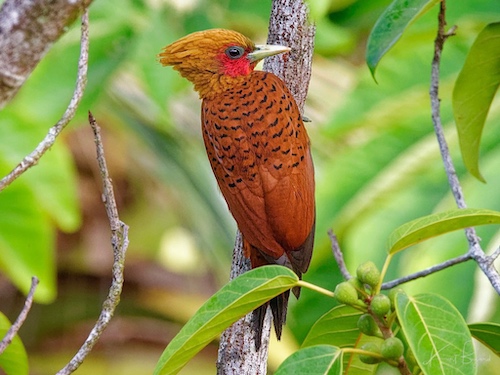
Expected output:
(368, 273)
(380, 305)
(358, 285)
(345, 293)
(367, 325)
(392, 348)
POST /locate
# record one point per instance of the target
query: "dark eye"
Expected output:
(235, 52)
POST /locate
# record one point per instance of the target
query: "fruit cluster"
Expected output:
(363, 293)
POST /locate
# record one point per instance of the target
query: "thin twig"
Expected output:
(119, 241)
(9, 336)
(339, 257)
(81, 82)
(475, 251)
(426, 272)
(495, 255)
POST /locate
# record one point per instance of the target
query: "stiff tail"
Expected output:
(279, 307)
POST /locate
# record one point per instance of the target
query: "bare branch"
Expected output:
(9, 336)
(475, 251)
(427, 271)
(337, 254)
(28, 29)
(119, 241)
(68, 115)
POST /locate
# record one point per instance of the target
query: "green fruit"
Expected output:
(380, 305)
(392, 348)
(345, 293)
(358, 285)
(368, 273)
(367, 325)
(370, 347)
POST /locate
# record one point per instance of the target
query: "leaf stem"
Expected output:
(385, 267)
(316, 288)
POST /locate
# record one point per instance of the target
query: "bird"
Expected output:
(258, 149)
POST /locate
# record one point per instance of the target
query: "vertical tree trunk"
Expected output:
(288, 26)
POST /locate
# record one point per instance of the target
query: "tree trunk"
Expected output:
(289, 27)
(28, 28)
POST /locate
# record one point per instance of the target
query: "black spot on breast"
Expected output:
(278, 134)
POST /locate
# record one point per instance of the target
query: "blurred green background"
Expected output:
(377, 166)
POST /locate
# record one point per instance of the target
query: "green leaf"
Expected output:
(488, 334)
(14, 360)
(313, 360)
(234, 300)
(437, 334)
(337, 327)
(391, 25)
(26, 242)
(426, 227)
(474, 90)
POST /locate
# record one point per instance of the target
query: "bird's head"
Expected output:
(214, 60)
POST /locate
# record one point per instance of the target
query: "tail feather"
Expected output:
(279, 307)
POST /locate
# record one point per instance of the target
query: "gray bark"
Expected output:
(28, 28)
(288, 26)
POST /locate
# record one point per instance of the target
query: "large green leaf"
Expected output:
(14, 360)
(488, 334)
(474, 90)
(26, 242)
(426, 227)
(234, 300)
(391, 25)
(313, 360)
(437, 334)
(337, 327)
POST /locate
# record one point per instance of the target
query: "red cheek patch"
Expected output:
(235, 67)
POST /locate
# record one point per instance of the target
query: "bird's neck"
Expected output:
(210, 85)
